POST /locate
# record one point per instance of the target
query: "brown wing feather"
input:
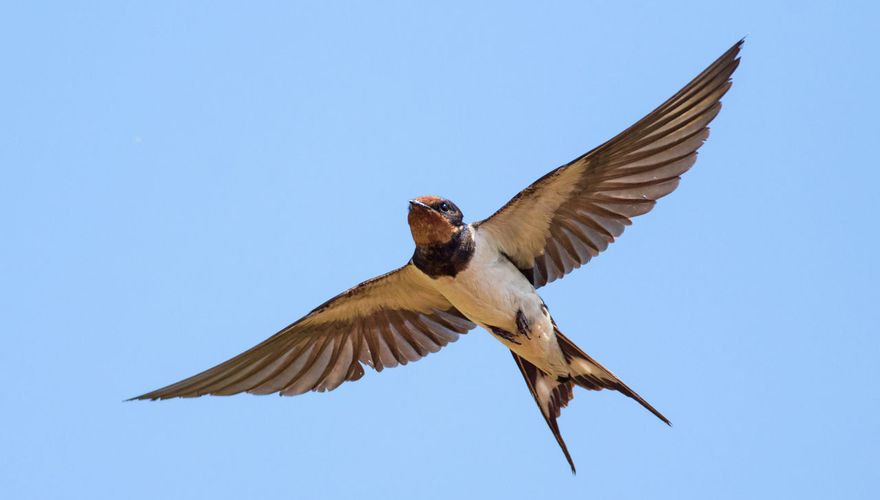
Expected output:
(389, 320)
(573, 213)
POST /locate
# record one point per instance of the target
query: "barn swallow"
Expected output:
(487, 273)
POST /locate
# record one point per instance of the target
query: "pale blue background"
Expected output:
(178, 182)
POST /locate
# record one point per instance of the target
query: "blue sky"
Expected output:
(180, 181)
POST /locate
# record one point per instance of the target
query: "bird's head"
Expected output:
(434, 220)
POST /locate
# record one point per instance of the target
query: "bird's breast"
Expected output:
(490, 290)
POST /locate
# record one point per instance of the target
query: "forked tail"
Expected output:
(552, 394)
(589, 374)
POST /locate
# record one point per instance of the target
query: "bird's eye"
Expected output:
(444, 207)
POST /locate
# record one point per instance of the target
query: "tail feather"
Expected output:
(595, 377)
(551, 395)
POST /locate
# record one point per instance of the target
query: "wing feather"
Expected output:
(573, 213)
(393, 319)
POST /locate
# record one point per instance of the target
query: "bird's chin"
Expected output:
(418, 213)
(428, 227)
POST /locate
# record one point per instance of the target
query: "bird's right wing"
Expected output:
(388, 320)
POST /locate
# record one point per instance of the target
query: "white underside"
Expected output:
(490, 291)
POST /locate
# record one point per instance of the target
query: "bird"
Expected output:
(487, 273)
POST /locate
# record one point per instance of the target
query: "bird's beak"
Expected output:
(417, 203)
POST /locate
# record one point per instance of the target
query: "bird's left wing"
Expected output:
(389, 320)
(573, 213)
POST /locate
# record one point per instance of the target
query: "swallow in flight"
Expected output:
(486, 273)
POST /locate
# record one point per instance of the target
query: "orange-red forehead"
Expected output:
(428, 200)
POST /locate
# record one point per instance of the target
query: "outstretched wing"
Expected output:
(389, 320)
(574, 212)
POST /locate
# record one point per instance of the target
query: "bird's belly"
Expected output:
(490, 294)
(493, 295)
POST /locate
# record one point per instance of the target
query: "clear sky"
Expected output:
(181, 181)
